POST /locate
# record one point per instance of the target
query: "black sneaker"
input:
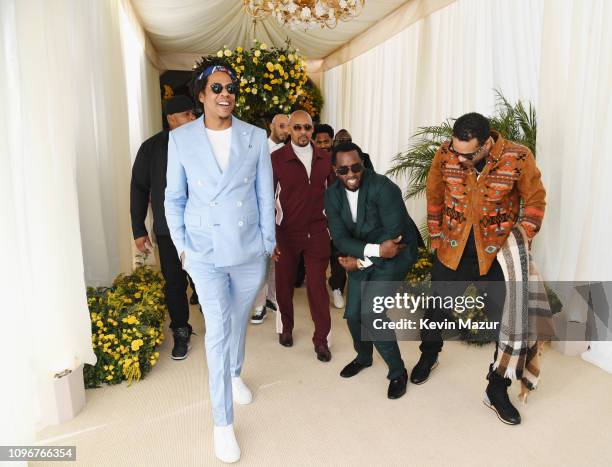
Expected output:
(421, 371)
(181, 343)
(270, 304)
(259, 315)
(496, 398)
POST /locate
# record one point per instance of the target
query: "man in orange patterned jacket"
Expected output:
(475, 188)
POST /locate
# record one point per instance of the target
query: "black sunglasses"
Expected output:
(217, 88)
(298, 127)
(468, 156)
(355, 168)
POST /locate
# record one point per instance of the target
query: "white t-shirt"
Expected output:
(221, 141)
(371, 249)
(272, 146)
(304, 155)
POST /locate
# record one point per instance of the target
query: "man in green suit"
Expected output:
(378, 240)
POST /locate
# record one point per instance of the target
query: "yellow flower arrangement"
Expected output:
(127, 326)
(271, 80)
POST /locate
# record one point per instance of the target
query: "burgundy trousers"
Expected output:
(316, 250)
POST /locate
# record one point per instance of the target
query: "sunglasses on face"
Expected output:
(344, 169)
(217, 88)
(298, 127)
(468, 156)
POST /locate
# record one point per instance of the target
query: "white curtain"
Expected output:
(444, 65)
(103, 160)
(143, 99)
(45, 325)
(574, 130)
(64, 176)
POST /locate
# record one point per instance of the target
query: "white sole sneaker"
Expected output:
(259, 321)
(184, 356)
(337, 299)
(241, 394)
(226, 446)
(487, 402)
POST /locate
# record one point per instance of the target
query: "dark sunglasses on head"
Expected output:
(344, 169)
(217, 88)
(468, 156)
(298, 127)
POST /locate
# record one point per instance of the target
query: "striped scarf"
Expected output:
(526, 317)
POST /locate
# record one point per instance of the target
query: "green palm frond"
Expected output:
(414, 163)
(424, 230)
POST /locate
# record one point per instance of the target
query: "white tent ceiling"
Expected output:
(187, 27)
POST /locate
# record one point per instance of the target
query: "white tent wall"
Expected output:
(65, 167)
(574, 130)
(442, 66)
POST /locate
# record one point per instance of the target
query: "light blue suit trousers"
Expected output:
(223, 221)
(226, 295)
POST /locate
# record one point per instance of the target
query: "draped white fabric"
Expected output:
(444, 65)
(121, 91)
(65, 172)
(203, 27)
(575, 126)
(574, 130)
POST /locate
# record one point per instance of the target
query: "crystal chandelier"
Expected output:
(305, 14)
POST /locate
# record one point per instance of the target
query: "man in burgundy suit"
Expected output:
(302, 173)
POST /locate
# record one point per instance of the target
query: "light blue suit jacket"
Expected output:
(223, 218)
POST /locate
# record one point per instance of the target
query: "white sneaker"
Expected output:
(338, 298)
(226, 446)
(240, 392)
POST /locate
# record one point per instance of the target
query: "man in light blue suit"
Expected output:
(220, 211)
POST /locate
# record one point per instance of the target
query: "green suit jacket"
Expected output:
(381, 215)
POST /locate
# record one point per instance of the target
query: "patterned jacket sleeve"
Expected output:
(533, 194)
(435, 201)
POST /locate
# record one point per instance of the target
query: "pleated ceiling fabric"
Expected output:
(183, 29)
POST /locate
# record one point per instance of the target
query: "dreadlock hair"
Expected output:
(199, 82)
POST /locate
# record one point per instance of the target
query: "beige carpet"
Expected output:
(303, 413)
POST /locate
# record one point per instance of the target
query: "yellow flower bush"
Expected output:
(127, 326)
(272, 80)
(420, 271)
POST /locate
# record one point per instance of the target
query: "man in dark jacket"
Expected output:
(302, 172)
(149, 183)
(377, 240)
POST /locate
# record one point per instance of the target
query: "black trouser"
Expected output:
(176, 282)
(194, 294)
(337, 278)
(467, 271)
